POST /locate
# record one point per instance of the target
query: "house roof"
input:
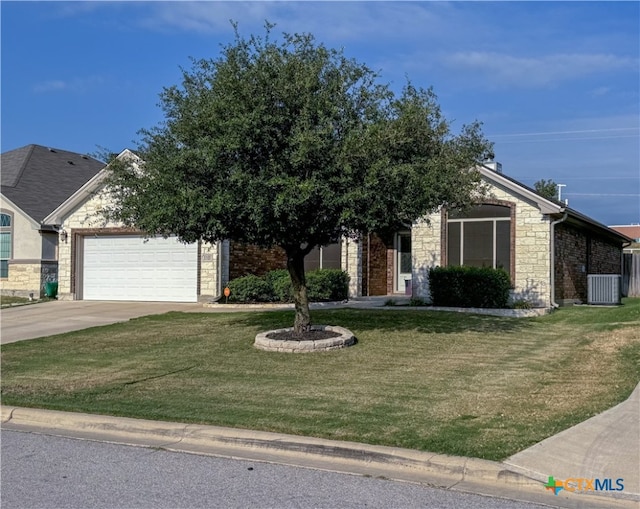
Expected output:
(554, 207)
(630, 230)
(38, 179)
(84, 192)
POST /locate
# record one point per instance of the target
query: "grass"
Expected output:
(469, 385)
(6, 300)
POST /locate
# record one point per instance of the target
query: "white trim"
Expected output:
(34, 223)
(84, 193)
(545, 206)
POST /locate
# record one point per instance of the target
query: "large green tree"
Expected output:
(292, 144)
(547, 188)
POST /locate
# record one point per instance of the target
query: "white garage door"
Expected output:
(128, 267)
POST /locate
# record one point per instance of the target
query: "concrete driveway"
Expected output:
(47, 318)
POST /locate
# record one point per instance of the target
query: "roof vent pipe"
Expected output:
(493, 165)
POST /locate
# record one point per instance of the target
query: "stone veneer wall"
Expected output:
(425, 252)
(531, 250)
(351, 262)
(27, 278)
(24, 278)
(88, 216)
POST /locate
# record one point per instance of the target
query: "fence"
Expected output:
(631, 275)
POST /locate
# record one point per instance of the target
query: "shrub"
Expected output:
(250, 289)
(417, 301)
(469, 287)
(322, 285)
(327, 284)
(280, 283)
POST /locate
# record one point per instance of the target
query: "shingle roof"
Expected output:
(38, 179)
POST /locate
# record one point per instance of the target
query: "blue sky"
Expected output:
(556, 84)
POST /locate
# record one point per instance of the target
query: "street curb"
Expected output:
(195, 437)
(470, 475)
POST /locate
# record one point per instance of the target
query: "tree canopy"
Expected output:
(292, 144)
(547, 188)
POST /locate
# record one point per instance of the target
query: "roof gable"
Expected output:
(86, 191)
(38, 179)
(553, 207)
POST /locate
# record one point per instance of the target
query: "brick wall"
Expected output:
(577, 255)
(604, 258)
(247, 259)
(571, 263)
(376, 267)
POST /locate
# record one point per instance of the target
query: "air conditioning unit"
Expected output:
(604, 288)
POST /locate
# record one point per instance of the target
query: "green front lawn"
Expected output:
(453, 383)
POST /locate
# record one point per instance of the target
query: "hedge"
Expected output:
(275, 286)
(469, 287)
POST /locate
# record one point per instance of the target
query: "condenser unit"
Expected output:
(604, 289)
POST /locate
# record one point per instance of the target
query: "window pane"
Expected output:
(312, 260)
(503, 245)
(405, 253)
(5, 220)
(453, 244)
(4, 268)
(478, 244)
(331, 256)
(5, 245)
(482, 211)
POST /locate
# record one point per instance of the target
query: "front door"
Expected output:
(403, 262)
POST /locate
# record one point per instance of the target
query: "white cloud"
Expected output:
(335, 21)
(499, 69)
(72, 85)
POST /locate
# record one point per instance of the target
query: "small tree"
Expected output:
(547, 188)
(292, 144)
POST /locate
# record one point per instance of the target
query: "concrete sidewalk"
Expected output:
(607, 446)
(450, 472)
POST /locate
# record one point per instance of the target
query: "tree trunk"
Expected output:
(295, 266)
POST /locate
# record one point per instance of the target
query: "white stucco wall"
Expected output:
(27, 244)
(27, 273)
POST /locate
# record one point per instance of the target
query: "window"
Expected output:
(481, 237)
(5, 244)
(326, 257)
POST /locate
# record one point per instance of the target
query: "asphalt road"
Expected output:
(40, 471)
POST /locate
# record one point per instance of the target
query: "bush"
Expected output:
(250, 289)
(469, 287)
(322, 285)
(280, 283)
(327, 285)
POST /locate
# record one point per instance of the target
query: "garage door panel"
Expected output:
(129, 267)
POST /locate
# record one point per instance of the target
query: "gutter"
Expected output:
(554, 304)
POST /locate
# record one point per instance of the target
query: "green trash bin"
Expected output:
(51, 289)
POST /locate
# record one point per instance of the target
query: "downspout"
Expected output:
(554, 304)
(368, 264)
(219, 271)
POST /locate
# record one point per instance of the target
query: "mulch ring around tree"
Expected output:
(320, 338)
(311, 335)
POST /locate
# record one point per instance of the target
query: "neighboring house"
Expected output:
(547, 248)
(633, 232)
(35, 180)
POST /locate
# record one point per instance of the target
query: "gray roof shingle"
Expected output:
(38, 179)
